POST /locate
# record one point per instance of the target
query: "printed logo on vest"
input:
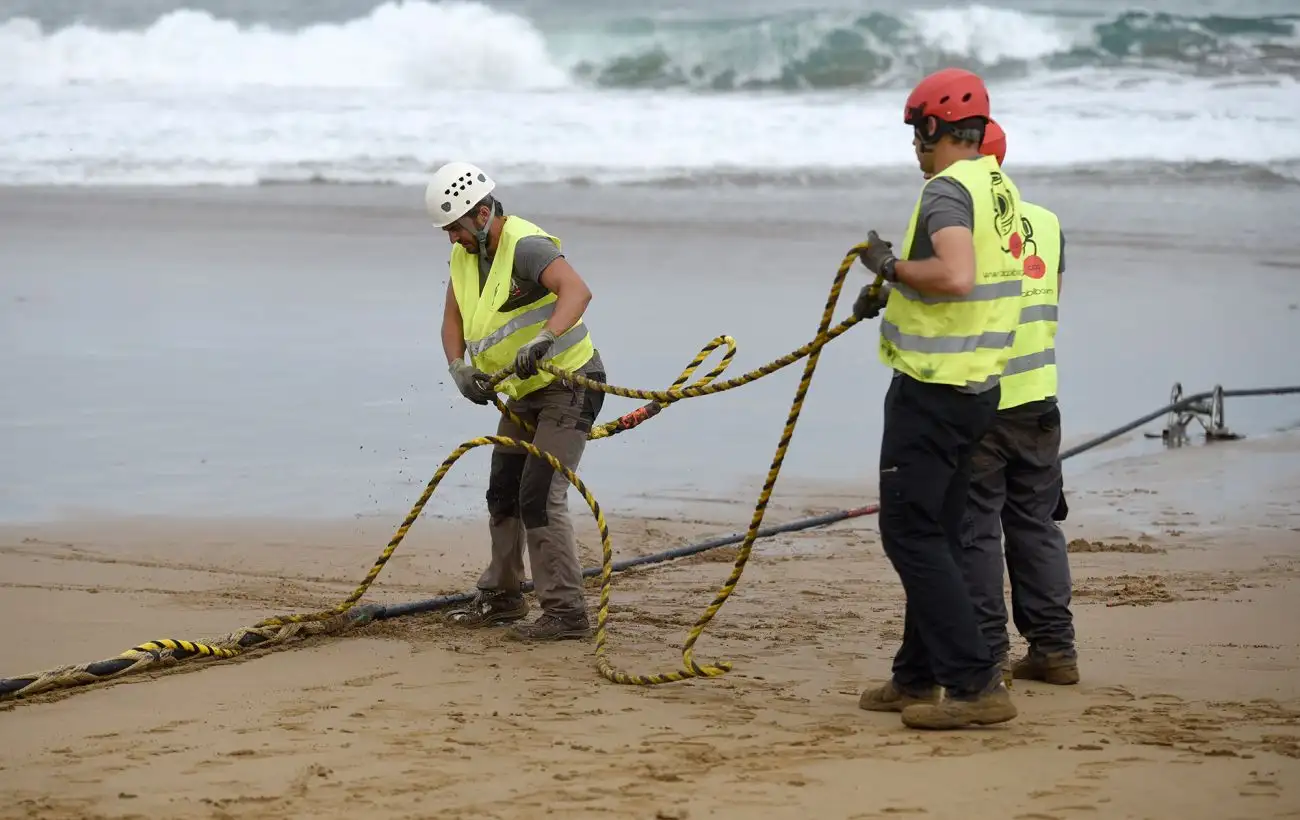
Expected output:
(1035, 267)
(1004, 215)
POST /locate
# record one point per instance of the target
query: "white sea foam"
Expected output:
(386, 97)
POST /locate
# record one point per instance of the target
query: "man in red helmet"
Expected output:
(1016, 483)
(950, 316)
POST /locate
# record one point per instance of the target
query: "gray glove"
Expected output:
(472, 383)
(531, 354)
(879, 257)
(869, 304)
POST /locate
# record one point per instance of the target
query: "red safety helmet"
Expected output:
(995, 141)
(947, 96)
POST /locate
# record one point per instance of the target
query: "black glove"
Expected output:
(472, 383)
(870, 302)
(529, 355)
(879, 257)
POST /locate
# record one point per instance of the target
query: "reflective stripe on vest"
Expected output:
(963, 340)
(1031, 374)
(493, 338)
(531, 317)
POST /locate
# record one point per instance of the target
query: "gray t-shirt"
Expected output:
(945, 203)
(532, 255)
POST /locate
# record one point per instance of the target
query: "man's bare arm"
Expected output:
(453, 331)
(951, 271)
(572, 295)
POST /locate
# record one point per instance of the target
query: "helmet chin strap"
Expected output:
(480, 234)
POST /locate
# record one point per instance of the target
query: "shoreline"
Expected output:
(273, 352)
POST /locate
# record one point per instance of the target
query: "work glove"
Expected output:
(879, 257)
(472, 383)
(528, 357)
(870, 302)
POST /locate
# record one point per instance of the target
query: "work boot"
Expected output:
(889, 697)
(490, 608)
(551, 627)
(1055, 668)
(993, 705)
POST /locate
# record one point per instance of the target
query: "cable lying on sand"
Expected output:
(165, 652)
(345, 614)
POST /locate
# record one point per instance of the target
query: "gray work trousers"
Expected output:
(1015, 488)
(527, 499)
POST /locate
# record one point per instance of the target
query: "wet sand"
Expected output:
(222, 403)
(1186, 609)
(274, 351)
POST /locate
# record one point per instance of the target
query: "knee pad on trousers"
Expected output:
(503, 484)
(534, 495)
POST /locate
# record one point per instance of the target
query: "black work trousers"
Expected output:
(1014, 495)
(930, 434)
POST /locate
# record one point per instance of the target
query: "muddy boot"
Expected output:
(490, 608)
(1056, 668)
(550, 627)
(993, 705)
(888, 697)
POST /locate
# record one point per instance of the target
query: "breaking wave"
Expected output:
(471, 45)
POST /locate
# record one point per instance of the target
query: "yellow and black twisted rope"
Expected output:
(276, 628)
(690, 668)
(660, 398)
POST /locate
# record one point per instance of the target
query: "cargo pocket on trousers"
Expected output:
(590, 403)
(908, 490)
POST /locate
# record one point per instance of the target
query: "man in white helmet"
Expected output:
(514, 300)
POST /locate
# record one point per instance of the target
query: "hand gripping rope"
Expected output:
(346, 615)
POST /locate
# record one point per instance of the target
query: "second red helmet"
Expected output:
(995, 141)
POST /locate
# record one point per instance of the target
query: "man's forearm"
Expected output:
(452, 344)
(569, 307)
(926, 275)
(930, 276)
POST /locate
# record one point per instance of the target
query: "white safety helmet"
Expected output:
(454, 190)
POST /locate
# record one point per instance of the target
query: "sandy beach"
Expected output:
(222, 388)
(224, 401)
(1186, 610)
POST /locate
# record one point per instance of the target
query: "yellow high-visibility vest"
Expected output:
(493, 337)
(963, 340)
(1030, 374)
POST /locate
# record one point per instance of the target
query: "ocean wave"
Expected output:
(396, 45)
(828, 50)
(388, 96)
(471, 45)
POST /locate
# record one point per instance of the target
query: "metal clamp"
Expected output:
(1207, 414)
